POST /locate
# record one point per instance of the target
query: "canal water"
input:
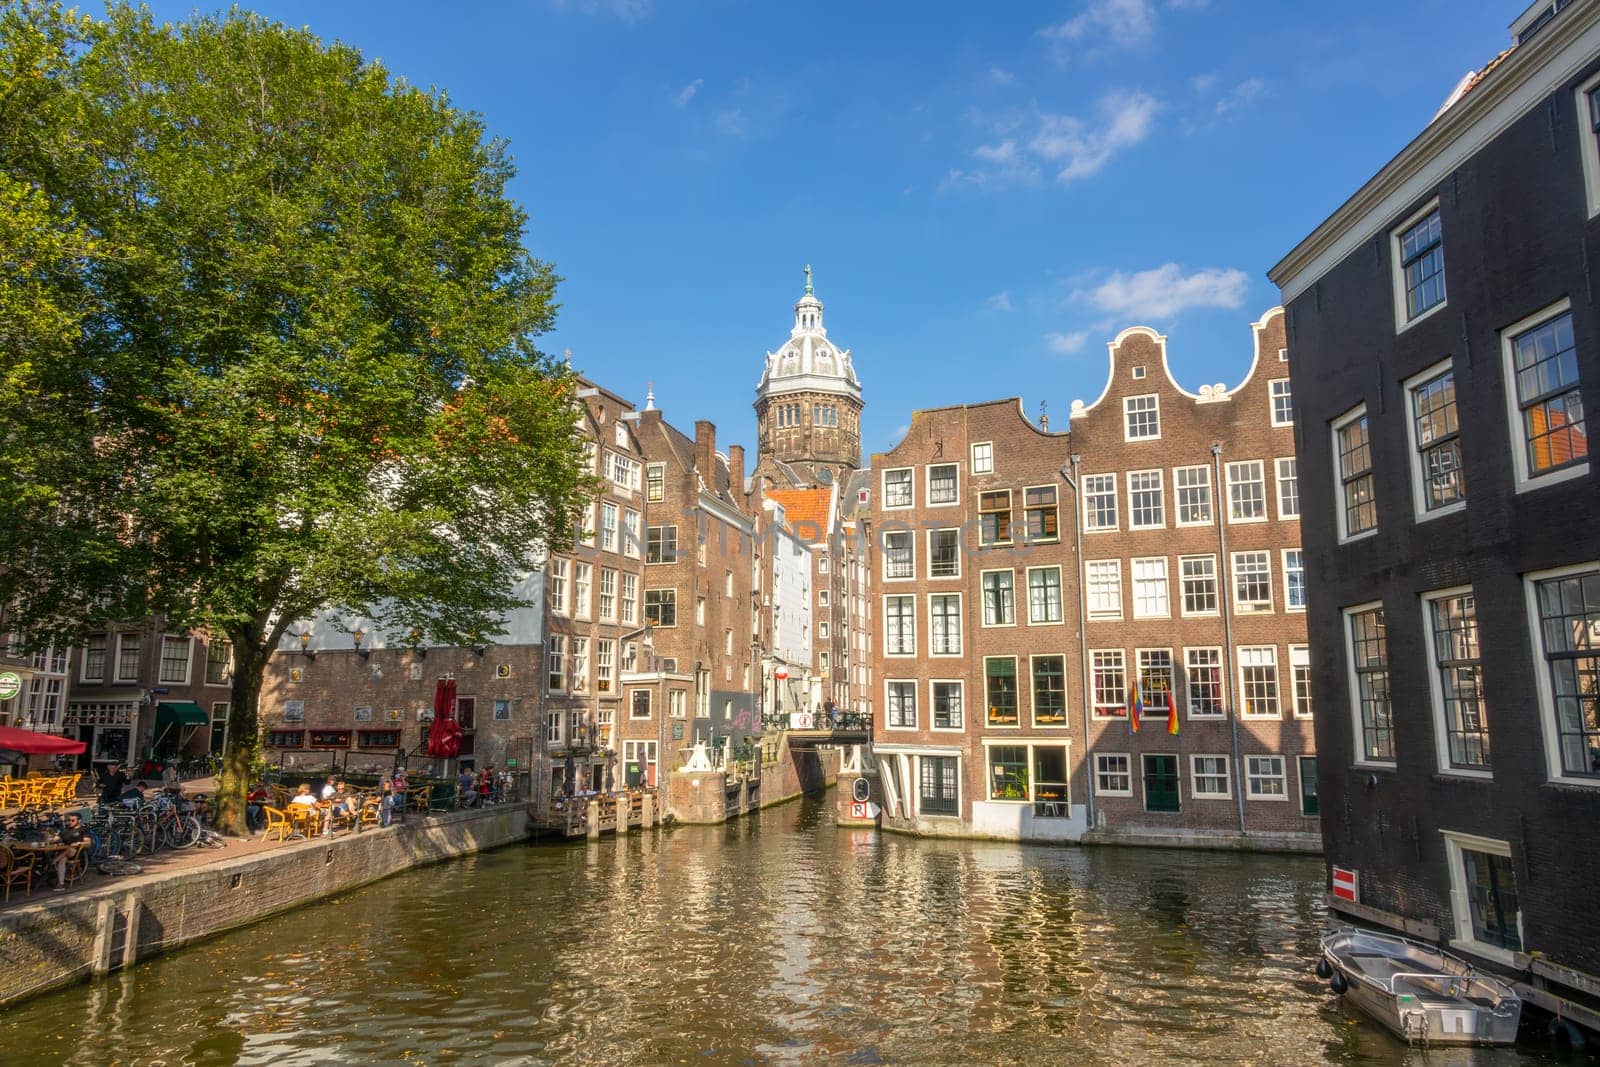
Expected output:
(779, 939)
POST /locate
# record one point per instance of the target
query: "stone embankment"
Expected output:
(62, 939)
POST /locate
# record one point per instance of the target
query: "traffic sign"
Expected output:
(781, 674)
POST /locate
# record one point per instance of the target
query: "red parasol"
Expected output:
(444, 740)
(28, 741)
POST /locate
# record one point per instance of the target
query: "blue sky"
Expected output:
(987, 192)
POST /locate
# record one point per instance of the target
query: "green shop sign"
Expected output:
(10, 684)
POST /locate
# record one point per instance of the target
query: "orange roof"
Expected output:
(804, 505)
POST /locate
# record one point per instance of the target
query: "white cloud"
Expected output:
(1203, 83)
(686, 94)
(1065, 145)
(1000, 302)
(1242, 95)
(1164, 291)
(1066, 344)
(1001, 76)
(731, 123)
(628, 11)
(1123, 23)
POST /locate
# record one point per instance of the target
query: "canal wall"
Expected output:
(55, 942)
(799, 771)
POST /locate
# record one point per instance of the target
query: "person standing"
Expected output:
(398, 783)
(112, 783)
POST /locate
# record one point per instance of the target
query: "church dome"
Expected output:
(808, 361)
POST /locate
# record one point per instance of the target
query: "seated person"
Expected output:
(254, 815)
(76, 838)
(305, 798)
(329, 788)
(133, 796)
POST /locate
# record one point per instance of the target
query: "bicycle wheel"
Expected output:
(185, 831)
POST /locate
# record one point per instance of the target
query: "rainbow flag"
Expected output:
(1172, 713)
(1135, 708)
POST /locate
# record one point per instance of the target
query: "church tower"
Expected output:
(808, 405)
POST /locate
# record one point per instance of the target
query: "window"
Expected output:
(608, 527)
(1589, 123)
(898, 559)
(1113, 776)
(1252, 582)
(557, 577)
(1209, 777)
(608, 595)
(555, 658)
(938, 782)
(677, 704)
(580, 590)
(1110, 683)
(1369, 682)
(630, 598)
(1288, 488)
(377, 738)
(999, 599)
(1419, 247)
(942, 484)
(1568, 607)
(1145, 510)
(1099, 502)
(1039, 510)
(1247, 492)
(1155, 678)
(639, 704)
(1542, 362)
(1141, 417)
(1486, 906)
(822, 630)
(1008, 772)
(897, 488)
(1435, 442)
(1105, 588)
(661, 607)
(286, 738)
(624, 471)
(219, 662)
(1310, 806)
(1459, 713)
(1199, 575)
(699, 611)
(902, 704)
(947, 711)
(580, 664)
(1000, 688)
(1203, 677)
(1044, 594)
(944, 624)
(1264, 778)
(983, 458)
(1282, 402)
(1150, 588)
(1049, 691)
(1358, 510)
(1258, 681)
(900, 625)
(630, 533)
(1294, 579)
(661, 544)
(944, 554)
(605, 666)
(655, 483)
(93, 668)
(994, 515)
(1300, 671)
(1193, 485)
(127, 658)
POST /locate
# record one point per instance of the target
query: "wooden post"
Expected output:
(130, 946)
(105, 922)
(648, 814)
(594, 819)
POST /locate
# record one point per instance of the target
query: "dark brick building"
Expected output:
(1444, 347)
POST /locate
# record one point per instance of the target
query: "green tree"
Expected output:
(285, 362)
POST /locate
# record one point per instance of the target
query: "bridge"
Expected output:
(818, 730)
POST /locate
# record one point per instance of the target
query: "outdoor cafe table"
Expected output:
(46, 850)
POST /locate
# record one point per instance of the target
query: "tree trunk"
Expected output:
(233, 787)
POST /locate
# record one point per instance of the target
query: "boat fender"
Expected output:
(1324, 969)
(1338, 984)
(1567, 1034)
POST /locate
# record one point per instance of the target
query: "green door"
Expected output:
(1161, 783)
(1308, 786)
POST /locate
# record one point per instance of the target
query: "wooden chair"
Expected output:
(277, 822)
(371, 811)
(77, 866)
(418, 798)
(15, 870)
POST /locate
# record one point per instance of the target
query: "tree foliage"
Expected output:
(267, 334)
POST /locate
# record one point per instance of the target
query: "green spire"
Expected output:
(808, 279)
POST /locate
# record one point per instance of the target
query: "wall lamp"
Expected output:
(417, 645)
(358, 636)
(477, 646)
(305, 645)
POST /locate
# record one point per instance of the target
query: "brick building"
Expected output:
(1445, 348)
(1194, 586)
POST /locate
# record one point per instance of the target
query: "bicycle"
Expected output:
(116, 867)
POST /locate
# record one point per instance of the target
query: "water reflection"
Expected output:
(776, 940)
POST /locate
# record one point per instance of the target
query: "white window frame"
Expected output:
(1441, 731)
(983, 598)
(1282, 776)
(961, 689)
(1345, 536)
(1166, 587)
(1397, 273)
(1115, 504)
(960, 646)
(888, 705)
(1353, 682)
(610, 525)
(898, 530)
(931, 576)
(1127, 771)
(1419, 494)
(605, 614)
(1066, 693)
(188, 659)
(987, 466)
(1189, 689)
(1299, 656)
(115, 674)
(955, 500)
(1273, 398)
(1161, 496)
(1127, 414)
(1289, 605)
(1095, 714)
(1177, 497)
(1460, 905)
(1061, 596)
(1526, 480)
(1010, 513)
(911, 488)
(1278, 481)
(912, 616)
(1243, 690)
(1547, 713)
(1249, 607)
(1115, 565)
(1216, 590)
(582, 606)
(1261, 480)
(632, 533)
(1194, 777)
(1591, 146)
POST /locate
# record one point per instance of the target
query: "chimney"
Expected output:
(705, 450)
(736, 468)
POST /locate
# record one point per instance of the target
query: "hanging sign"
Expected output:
(10, 684)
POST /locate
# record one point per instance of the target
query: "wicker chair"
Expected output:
(15, 870)
(277, 822)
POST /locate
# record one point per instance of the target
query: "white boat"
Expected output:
(1426, 996)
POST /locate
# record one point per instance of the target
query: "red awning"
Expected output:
(28, 741)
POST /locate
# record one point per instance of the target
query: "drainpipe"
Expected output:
(1071, 478)
(1224, 568)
